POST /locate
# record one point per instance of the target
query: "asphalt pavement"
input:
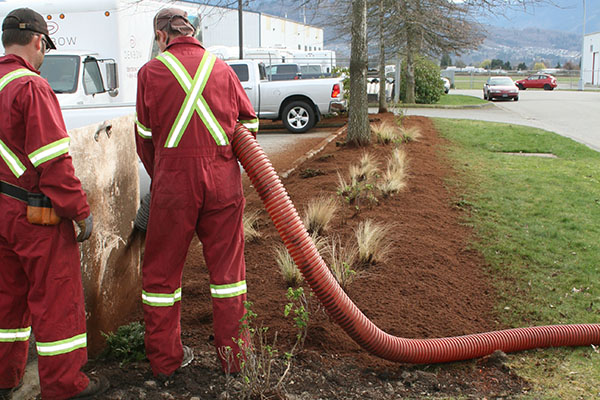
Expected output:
(573, 114)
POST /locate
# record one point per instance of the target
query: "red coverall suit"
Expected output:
(40, 275)
(188, 103)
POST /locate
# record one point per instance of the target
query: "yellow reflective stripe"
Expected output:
(13, 162)
(11, 159)
(145, 133)
(50, 151)
(161, 299)
(250, 124)
(11, 76)
(15, 335)
(62, 346)
(230, 290)
(193, 90)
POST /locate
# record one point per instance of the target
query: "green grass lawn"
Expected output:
(537, 223)
(459, 100)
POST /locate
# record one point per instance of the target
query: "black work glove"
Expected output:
(85, 228)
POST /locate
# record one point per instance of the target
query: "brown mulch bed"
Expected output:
(433, 285)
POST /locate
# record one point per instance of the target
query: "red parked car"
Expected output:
(540, 81)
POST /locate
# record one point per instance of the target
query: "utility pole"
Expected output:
(241, 28)
(581, 82)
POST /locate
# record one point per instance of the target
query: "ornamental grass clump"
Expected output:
(342, 261)
(251, 222)
(394, 178)
(373, 243)
(318, 214)
(412, 134)
(288, 268)
(385, 133)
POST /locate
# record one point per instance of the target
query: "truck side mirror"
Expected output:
(92, 77)
(112, 78)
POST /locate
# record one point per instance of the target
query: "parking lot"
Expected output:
(573, 114)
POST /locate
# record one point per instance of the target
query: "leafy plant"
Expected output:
(263, 370)
(126, 344)
(428, 85)
(318, 214)
(310, 173)
(373, 245)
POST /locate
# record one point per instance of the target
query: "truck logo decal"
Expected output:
(52, 27)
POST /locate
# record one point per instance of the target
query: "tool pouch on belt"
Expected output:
(40, 211)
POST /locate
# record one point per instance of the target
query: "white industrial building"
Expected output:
(591, 58)
(219, 27)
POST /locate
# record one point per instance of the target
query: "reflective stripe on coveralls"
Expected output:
(227, 291)
(49, 151)
(194, 101)
(8, 156)
(161, 299)
(251, 124)
(145, 133)
(15, 335)
(62, 346)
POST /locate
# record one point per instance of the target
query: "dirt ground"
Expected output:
(432, 285)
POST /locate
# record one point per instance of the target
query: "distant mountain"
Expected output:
(565, 15)
(526, 45)
(541, 32)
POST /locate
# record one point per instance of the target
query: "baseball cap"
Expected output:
(173, 19)
(27, 20)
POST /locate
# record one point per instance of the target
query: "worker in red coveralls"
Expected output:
(188, 103)
(40, 196)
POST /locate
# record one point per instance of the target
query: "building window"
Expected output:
(299, 47)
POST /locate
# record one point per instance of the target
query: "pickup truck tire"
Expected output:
(298, 116)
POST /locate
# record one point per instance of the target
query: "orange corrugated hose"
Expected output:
(297, 241)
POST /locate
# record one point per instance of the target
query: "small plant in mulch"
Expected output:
(394, 178)
(362, 184)
(288, 268)
(386, 133)
(326, 157)
(342, 261)
(251, 223)
(412, 134)
(373, 242)
(126, 345)
(264, 370)
(310, 173)
(318, 214)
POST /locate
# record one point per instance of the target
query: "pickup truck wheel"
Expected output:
(298, 117)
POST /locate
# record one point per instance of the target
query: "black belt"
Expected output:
(14, 191)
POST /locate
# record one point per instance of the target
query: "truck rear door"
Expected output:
(249, 83)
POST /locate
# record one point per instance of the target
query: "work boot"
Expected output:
(98, 385)
(6, 394)
(188, 357)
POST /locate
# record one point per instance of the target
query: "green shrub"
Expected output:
(428, 85)
(126, 344)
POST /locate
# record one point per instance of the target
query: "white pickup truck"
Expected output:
(298, 103)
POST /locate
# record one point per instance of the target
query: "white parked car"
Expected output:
(446, 84)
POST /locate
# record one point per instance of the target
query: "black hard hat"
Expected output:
(27, 20)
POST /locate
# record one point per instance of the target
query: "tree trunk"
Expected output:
(382, 94)
(359, 131)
